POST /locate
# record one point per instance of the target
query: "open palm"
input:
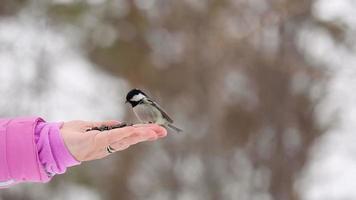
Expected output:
(91, 145)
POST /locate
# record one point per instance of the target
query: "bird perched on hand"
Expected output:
(148, 111)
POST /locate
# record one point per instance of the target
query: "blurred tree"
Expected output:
(188, 52)
(11, 7)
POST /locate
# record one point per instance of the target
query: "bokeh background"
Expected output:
(264, 89)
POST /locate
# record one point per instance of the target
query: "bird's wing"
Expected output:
(165, 115)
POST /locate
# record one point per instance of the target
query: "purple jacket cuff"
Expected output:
(52, 152)
(19, 160)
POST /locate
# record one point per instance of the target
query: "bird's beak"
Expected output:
(126, 102)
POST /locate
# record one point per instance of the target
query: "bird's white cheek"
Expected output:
(137, 97)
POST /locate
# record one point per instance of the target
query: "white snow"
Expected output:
(331, 172)
(42, 72)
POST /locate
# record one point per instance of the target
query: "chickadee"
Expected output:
(148, 111)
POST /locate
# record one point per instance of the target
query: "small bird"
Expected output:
(148, 111)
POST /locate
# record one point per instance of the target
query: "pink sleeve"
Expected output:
(19, 160)
(53, 154)
(29, 157)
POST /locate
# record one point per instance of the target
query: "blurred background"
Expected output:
(264, 89)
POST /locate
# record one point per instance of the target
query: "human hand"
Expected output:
(91, 145)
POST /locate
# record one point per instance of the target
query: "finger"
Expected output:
(134, 139)
(160, 131)
(105, 138)
(140, 133)
(115, 135)
(120, 147)
(137, 132)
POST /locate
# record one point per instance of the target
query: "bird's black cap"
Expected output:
(131, 94)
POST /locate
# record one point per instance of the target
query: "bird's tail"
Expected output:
(178, 130)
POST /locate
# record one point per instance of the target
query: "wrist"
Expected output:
(53, 154)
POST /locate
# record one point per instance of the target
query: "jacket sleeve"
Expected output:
(19, 161)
